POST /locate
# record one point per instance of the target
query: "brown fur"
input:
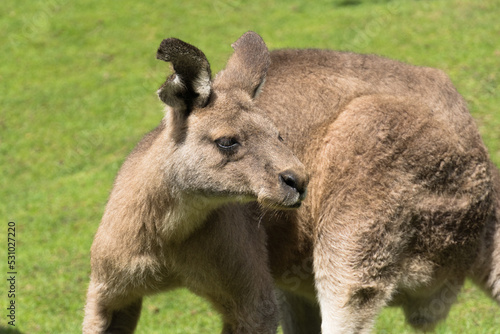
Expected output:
(403, 200)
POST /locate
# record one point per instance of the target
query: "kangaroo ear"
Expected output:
(247, 67)
(190, 84)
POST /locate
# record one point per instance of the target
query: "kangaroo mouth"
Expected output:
(294, 206)
(289, 202)
(280, 206)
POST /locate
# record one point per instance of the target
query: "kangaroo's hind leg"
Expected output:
(350, 294)
(364, 219)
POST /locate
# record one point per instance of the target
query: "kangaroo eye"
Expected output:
(227, 143)
(280, 138)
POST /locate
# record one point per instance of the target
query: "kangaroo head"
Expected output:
(221, 146)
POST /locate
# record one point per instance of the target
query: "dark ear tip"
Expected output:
(162, 52)
(159, 54)
(167, 48)
(191, 83)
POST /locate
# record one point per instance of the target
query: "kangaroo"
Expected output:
(403, 201)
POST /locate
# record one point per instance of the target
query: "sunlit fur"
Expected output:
(402, 205)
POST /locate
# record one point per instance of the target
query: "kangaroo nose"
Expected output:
(295, 182)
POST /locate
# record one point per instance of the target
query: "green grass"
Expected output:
(77, 91)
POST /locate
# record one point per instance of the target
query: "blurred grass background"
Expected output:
(77, 91)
